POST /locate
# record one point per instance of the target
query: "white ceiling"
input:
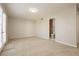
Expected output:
(21, 10)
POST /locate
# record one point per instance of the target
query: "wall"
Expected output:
(19, 28)
(42, 29)
(65, 25)
(77, 25)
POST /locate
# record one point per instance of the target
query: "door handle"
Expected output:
(2, 32)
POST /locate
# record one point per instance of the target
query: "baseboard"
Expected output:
(21, 37)
(66, 43)
(42, 37)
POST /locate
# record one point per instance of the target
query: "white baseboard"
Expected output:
(66, 43)
(20, 37)
(42, 37)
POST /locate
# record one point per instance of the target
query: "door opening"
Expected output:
(52, 28)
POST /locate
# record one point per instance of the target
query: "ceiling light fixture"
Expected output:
(33, 10)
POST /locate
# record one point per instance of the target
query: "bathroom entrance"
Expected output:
(52, 28)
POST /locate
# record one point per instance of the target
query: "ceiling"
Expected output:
(21, 10)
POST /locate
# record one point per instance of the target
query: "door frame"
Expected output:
(53, 26)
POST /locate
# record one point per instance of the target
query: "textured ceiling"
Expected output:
(21, 10)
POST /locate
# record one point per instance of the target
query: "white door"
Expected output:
(0, 27)
(4, 29)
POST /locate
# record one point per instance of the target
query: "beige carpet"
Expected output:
(37, 47)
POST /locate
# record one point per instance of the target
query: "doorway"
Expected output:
(52, 28)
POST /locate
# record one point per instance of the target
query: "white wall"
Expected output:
(19, 28)
(65, 25)
(42, 29)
